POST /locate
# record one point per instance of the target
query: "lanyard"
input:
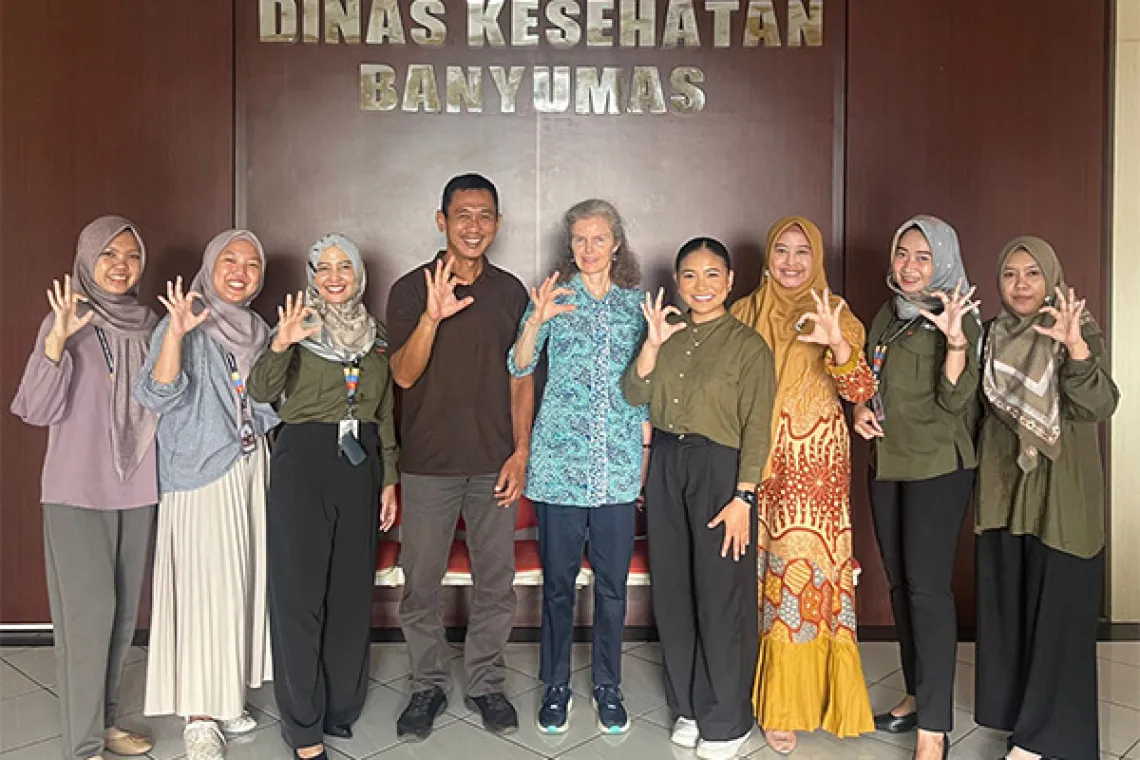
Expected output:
(245, 425)
(351, 384)
(106, 346)
(879, 355)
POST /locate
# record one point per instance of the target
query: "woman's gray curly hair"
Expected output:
(626, 272)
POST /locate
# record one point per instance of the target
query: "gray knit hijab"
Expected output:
(348, 331)
(948, 268)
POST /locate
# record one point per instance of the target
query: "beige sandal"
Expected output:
(781, 742)
(126, 743)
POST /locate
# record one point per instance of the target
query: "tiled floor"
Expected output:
(29, 719)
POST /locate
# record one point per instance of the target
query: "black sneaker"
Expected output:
(554, 716)
(418, 717)
(499, 716)
(612, 717)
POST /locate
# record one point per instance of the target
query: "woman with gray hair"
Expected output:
(327, 364)
(209, 636)
(586, 451)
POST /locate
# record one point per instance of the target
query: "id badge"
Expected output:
(349, 427)
(348, 444)
(877, 408)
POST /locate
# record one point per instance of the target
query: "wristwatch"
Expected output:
(748, 497)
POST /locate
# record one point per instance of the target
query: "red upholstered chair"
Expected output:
(388, 570)
(528, 563)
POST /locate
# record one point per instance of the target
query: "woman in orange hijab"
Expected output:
(809, 674)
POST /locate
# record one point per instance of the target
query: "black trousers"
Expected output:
(562, 534)
(322, 532)
(706, 605)
(1036, 659)
(917, 524)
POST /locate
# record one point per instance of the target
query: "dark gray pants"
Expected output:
(95, 563)
(432, 506)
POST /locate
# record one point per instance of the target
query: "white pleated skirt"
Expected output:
(209, 628)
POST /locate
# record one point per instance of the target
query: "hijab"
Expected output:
(1019, 373)
(774, 311)
(947, 266)
(127, 326)
(348, 331)
(238, 329)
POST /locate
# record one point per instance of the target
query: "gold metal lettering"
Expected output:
(598, 24)
(646, 91)
(722, 11)
(278, 21)
(638, 28)
(465, 90)
(562, 14)
(342, 21)
(761, 24)
(378, 87)
(483, 23)
(804, 27)
(688, 97)
(524, 23)
(508, 86)
(592, 96)
(311, 22)
(680, 24)
(550, 98)
(421, 89)
(384, 23)
(432, 29)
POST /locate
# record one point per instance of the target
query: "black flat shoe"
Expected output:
(341, 731)
(896, 724)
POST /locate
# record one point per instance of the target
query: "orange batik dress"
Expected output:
(809, 674)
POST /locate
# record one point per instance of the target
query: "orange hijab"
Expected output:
(773, 310)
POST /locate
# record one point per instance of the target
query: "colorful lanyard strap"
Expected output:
(245, 427)
(879, 355)
(106, 346)
(351, 384)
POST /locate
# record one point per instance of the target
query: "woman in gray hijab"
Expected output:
(923, 346)
(209, 636)
(99, 485)
(327, 365)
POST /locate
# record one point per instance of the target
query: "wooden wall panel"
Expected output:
(993, 116)
(108, 107)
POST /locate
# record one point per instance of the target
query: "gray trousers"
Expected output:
(95, 561)
(432, 506)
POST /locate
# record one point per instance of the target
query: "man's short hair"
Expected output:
(468, 182)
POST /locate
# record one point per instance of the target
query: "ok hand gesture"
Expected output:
(65, 305)
(660, 330)
(181, 309)
(954, 307)
(291, 323)
(825, 321)
(546, 307)
(1066, 328)
(441, 300)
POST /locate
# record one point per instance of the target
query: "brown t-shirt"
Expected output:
(456, 419)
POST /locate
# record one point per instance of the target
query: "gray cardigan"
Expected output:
(198, 439)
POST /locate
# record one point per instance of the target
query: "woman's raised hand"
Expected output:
(825, 321)
(291, 323)
(65, 305)
(954, 307)
(181, 309)
(656, 317)
(1066, 327)
(546, 307)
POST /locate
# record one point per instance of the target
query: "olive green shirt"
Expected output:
(930, 422)
(715, 379)
(1061, 501)
(314, 390)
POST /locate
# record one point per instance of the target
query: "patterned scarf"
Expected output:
(348, 331)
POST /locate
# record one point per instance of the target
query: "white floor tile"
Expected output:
(966, 652)
(964, 675)
(136, 654)
(1119, 683)
(457, 740)
(644, 740)
(13, 683)
(1119, 728)
(28, 719)
(6, 652)
(643, 684)
(264, 700)
(1134, 753)
(516, 683)
(823, 746)
(650, 651)
(375, 731)
(1127, 652)
(525, 658)
(37, 663)
(51, 749)
(583, 725)
(981, 744)
(389, 662)
(132, 689)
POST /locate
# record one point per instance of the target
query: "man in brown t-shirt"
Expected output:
(465, 440)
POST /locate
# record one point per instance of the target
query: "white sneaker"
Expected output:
(204, 741)
(685, 733)
(721, 750)
(242, 724)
